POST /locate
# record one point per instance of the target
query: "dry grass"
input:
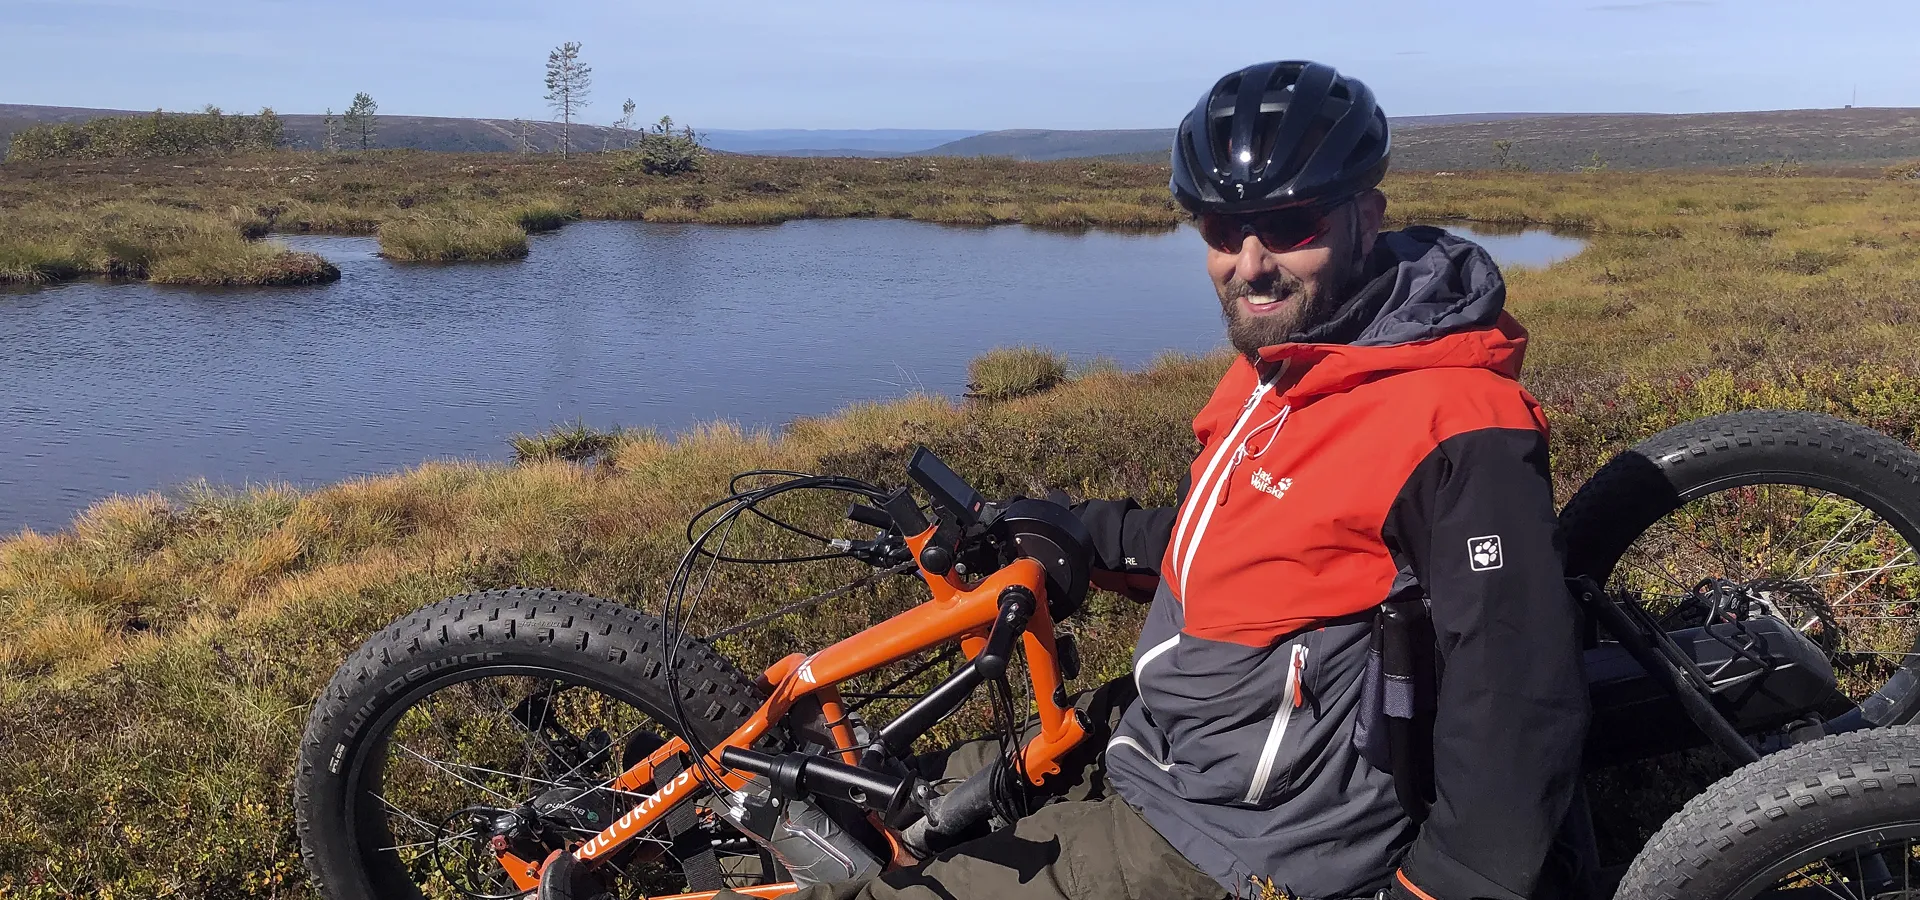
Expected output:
(445, 240)
(157, 657)
(1009, 372)
(544, 215)
(43, 243)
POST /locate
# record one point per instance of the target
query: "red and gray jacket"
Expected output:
(1390, 455)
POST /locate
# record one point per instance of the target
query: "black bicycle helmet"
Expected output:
(1276, 135)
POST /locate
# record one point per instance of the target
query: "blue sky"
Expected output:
(947, 64)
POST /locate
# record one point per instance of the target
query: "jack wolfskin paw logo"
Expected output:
(1483, 553)
(1267, 484)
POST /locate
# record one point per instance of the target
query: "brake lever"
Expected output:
(888, 551)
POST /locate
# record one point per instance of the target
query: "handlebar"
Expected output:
(868, 515)
(801, 774)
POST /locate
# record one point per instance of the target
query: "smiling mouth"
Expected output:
(1262, 303)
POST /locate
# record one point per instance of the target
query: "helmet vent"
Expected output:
(1279, 135)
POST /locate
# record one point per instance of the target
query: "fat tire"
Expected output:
(598, 643)
(1639, 486)
(1773, 810)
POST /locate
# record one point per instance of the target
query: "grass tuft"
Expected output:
(268, 265)
(451, 240)
(1009, 372)
(542, 216)
(126, 239)
(571, 441)
(40, 263)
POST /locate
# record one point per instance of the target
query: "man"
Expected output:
(1371, 445)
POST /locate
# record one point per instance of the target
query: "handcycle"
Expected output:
(520, 742)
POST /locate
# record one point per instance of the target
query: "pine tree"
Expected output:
(331, 141)
(568, 84)
(359, 119)
(625, 124)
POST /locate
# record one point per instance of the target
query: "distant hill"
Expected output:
(418, 132)
(1670, 141)
(1563, 142)
(831, 142)
(1542, 141)
(306, 132)
(1040, 143)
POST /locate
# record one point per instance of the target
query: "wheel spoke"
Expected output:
(545, 750)
(1804, 566)
(1834, 569)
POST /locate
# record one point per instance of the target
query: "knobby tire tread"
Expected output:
(597, 639)
(1772, 809)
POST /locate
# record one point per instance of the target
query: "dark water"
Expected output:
(125, 388)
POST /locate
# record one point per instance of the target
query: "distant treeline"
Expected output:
(155, 134)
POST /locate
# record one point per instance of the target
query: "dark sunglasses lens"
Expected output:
(1279, 231)
(1287, 230)
(1222, 233)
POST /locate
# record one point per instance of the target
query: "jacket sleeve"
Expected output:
(1477, 523)
(1127, 537)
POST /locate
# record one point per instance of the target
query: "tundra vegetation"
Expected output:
(158, 656)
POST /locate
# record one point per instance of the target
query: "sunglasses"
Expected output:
(1279, 231)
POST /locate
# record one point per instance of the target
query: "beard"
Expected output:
(1315, 303)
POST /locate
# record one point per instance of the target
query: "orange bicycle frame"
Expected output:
(956, 612)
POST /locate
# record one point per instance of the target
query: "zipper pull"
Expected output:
(1226, 480)
(1299, 677)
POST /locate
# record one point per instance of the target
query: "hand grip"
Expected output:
(869, 515)
(803, 774)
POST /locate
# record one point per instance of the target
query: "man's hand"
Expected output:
(1128, 542)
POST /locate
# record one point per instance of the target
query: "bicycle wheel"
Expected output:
(1838, 817)
(497, 721)
(1815, 518)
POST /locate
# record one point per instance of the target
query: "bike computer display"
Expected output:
(948, 490)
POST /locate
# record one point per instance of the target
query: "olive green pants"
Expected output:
(1084, 845)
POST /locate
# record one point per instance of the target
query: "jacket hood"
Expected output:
(1433, 301)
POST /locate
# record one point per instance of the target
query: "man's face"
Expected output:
(1267, 296)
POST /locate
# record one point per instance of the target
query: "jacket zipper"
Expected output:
(1205, 500)
(1290, 701)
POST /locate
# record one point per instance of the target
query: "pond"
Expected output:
(125, 388)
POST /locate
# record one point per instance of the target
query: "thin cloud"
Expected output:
(1648, 5)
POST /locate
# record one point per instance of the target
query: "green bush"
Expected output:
(157, 134)
(1009, 372)
(663, 151)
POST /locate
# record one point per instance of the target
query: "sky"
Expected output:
(979, 64)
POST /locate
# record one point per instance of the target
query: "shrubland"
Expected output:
(158, 656)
